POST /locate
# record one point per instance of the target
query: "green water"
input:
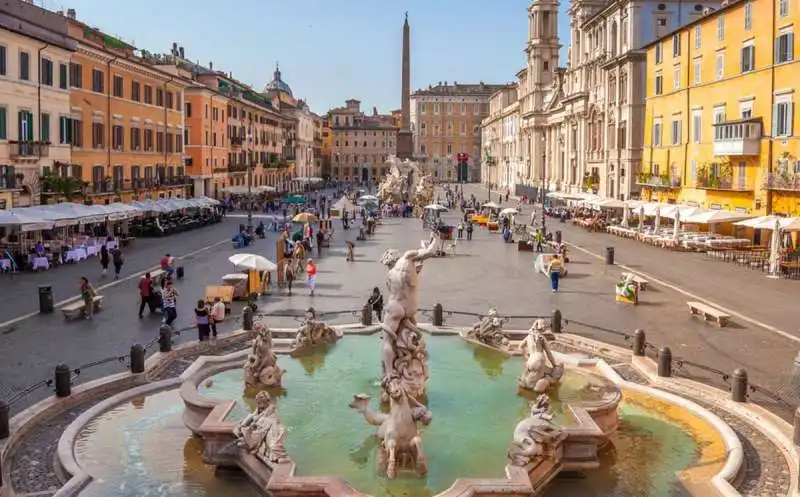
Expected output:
(472, 394)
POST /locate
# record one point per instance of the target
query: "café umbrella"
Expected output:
(252, 262)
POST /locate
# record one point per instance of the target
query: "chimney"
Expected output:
(71, 14)
(211, 65)
(180, 51)
(174, 48)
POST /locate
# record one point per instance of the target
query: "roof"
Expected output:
(714, 13)
(458, 89)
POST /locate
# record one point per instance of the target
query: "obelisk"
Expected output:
(405, 139)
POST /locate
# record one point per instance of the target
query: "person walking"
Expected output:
(87, 295)
(118, 260)
(169, 303)
(539, 238)
(202, 320)
(554, 268)
(350, 251)
(146, 295)
(104, 259)
(217, 315)
(470, 229)
(288, 275)
(460, 229)
(376, 302)
(311, 272)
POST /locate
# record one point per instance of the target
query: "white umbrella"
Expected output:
(775, 250)
(625, 221)
(715, 217)
(491, 205)
(368, 197)
(769, 222)
(435, 207)
(252, 262)
(641, 218)
(609, 203)
(676, 230)
(510, 211)
(657, 221)
(24, 222)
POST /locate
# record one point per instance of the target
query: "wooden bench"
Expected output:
(76, 309)
(641, 282)
(709, 313)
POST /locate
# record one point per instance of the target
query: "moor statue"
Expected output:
(540, 371)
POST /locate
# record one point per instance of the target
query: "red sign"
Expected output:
(462, 157)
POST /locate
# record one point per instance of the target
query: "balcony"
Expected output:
(782, 181)
(113, 186)
(28, 150)
(724, 184)
(237, 168)
(738, 138)
(237, 141)
(665, 181)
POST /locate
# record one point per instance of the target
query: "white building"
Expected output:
(502, 165)
(305, 163)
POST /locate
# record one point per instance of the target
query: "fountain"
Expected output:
(406, 181)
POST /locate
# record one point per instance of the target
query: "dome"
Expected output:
(277, 83)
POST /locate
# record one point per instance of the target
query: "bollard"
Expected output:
(366, 315)
(555, 324)
(739, 385)
(438, 315)
(165, 338)
(63, 381)
(610, 256)
(665, 362)
(797, 426)
(5, 420)
(558, 236)
(137, 358)
(247, 318)
(639, 341)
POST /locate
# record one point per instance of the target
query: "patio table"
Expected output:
(40, 263)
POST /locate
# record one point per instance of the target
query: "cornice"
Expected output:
(131, 65)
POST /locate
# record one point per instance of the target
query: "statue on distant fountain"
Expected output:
(398, 429)
(403, 352)
(540, 371)
(423, 194)
(261, 367)
(312, 332)
(489, 331)
(261, 433)
(533, 434)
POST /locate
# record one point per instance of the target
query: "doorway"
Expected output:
(364, 174)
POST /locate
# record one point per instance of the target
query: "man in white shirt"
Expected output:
(217, 315)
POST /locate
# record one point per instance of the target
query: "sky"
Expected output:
(329, 51)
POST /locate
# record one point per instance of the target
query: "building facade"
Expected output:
(446, 121)
(720, 121)
(34, 100)
(304, 144)
(501, 141)
(361, 143)
(206, 137)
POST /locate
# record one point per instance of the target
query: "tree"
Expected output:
(65, 187)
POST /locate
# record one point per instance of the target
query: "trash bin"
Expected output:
(610, 256)
(46, 299)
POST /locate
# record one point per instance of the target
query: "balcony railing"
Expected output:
(786, 182)
(28, 149)
(658, 181)
(111, 186)
(737, 138)
(724, 184)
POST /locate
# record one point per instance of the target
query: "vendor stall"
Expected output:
(239, 283)
(224, 292)
(627, 290)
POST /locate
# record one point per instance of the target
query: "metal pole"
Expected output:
(249, 196)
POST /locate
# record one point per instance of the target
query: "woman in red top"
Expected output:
(311, 271)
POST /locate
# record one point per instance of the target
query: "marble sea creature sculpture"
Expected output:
(489, 331)
(261, 433)
(398, 430)
(312, 332)
(540, 371)
(403, 352)
(533, 434)
(261, 367)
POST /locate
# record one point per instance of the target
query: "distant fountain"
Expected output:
(313, 333)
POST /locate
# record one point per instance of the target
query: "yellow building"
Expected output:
(720, 121)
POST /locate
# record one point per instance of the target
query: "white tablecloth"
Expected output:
(5, 264)
(75, 255)
(92, 250)
(40, 263)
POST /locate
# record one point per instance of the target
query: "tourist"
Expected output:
(539, 239)
(217, 315)
(460, 229)
(350, 251)
(87, 295)
(376, 302)
(169, 303)
(104, 259)
(202, 320)
(146, 294)
(311, 272)
(470, 229)
(167, 265)
(554, 268)
(118, 260)
(288, 275)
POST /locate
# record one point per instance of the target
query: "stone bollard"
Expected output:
(665, 362)
(797, 426)
(558, 236)
(137, 358)
(165, 338)
(739, 385)
(555, 323)
(438, 315)
(610, 256)
(247, 318)
(639, 343)
(366, 315)
(5, 420)
(63, 381)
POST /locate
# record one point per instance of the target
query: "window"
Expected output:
(75, 75)
(136, 139)
(117, 137)
(693, 170)
(135, 91)
(44, 127)
(782, 118)
(746, 110)
(169, 100)
(748, 58)
(719, 115)
(698, 36)
(118, 91)
(449, 109)
(721, 27)
(24, 66)
(676, 132)
(449, 148)
(720, 68)
(422, 107)
(676, 45)
(783, 7)
(3, 62)
(748, 16)
(657, 134)
(159, 97)
(741, 174)
(25, 126)
(63, 76)
(3, 123)
(463, 109)
(64, 130)
(148, 94)
(659, 85)
(784, 51)
(676, 77)
(697, 71)
(98, 135)
(188, 109)
(659, 52)
(77, 132)
(46, 78)
(697, 126)
(98, 81)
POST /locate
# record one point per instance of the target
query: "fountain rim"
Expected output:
(80, 479)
